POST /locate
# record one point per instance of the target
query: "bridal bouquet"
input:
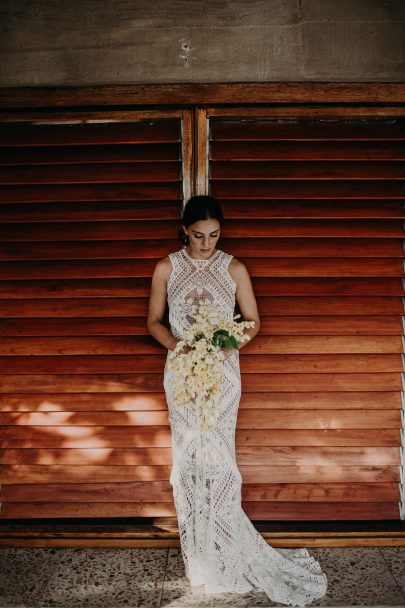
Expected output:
(197, 375)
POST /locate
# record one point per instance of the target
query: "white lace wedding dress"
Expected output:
(221, 548)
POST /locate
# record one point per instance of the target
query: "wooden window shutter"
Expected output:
(86, 210)
(315, 209)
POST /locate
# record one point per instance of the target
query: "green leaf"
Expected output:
(222, 339)
(234, 342)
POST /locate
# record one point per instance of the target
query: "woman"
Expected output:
(221, 548)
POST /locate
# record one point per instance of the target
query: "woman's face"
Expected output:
(203, 236)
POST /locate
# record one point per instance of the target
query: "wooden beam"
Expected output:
(203, 93)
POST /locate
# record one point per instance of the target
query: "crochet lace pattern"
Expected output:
(221, 548)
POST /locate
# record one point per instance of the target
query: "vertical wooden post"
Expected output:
(201, 147)
(188, 155)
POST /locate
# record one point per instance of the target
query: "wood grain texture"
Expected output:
(116, 307)
(332, 185)
(152, 364)
(11, 474)
(56, 181)
(142, 401)
(262, 345)
(314, 211)
(161, 491)
(298, 325)
(150, 382)
(205, 93)
(270, 150)
(327, 266)
(247, 419)
(160, 436)
(87, 134)
(246, 455)
(272, 511)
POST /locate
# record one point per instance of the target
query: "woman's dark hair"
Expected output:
(201, 207)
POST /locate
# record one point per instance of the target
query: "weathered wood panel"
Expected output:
(86, 432)
(61, 188)
(314, 208)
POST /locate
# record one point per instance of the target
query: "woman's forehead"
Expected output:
(209, 225)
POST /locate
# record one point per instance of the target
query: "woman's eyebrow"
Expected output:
(196, 231)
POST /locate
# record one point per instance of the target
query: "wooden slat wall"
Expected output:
(86, 211)
(314, 209)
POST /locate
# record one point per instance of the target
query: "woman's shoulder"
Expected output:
(163, 267)
(236, 263)
(235, 268)
(167, 264)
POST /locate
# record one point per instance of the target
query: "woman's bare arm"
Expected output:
(245, 298)
(157, 305)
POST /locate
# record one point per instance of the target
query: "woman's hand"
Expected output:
(228, 352)
(184, 349)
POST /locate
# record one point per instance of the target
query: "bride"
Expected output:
(221, 548)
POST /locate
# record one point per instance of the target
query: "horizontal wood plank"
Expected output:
(161, 491)
(89, 153)
(100, 230)
(298, 170)
(146, 345)
(141, 401)
(150, 364)
(345, 251)
(89, 192)
(305, 150)
(160, 436)
(323, 267)
(84, 134)
(233, 209)
(323, 325)
(263, 189)
(307, 208)
(22, 474)
(273, 305)
(98, 173)
(307, 131)
(273, 511)
(150, 382)
(247, 94)
(246, 455)
(247, 419)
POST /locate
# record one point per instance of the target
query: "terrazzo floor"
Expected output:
(111, 578)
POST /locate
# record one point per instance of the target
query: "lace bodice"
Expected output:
(192, 281)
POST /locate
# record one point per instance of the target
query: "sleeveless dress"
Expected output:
(221, 548)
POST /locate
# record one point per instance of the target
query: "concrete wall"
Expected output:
(79, 42)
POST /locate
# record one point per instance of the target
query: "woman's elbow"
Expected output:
(152, 323)
(149, 324)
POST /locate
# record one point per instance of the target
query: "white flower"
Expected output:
(197, 375)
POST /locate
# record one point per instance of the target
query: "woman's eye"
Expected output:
(213, 236)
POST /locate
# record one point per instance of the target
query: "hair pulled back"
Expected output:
(201, 207)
